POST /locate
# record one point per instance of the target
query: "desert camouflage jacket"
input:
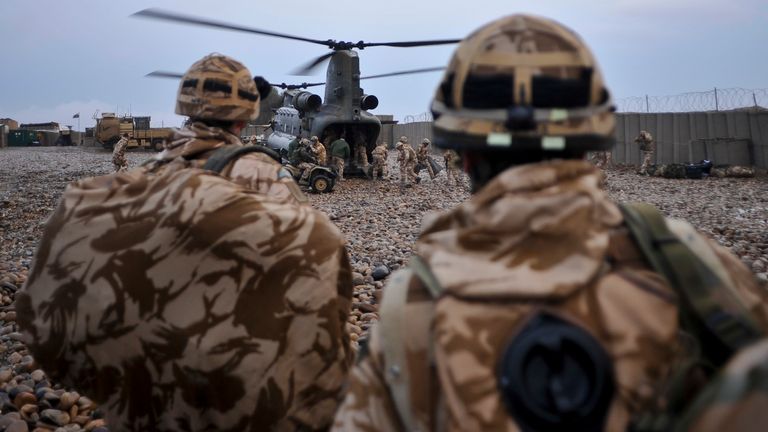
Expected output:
(379, 154)
(257, 171)
(646, 142)
(182, 301)
(451, 159)
(118, 153)
(406, 154)
(539, 237)
(320, 153)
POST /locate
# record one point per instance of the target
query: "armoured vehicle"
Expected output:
(109, 128)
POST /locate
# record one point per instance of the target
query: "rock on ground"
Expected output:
(380, 219)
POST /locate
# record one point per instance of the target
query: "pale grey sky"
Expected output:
(64, 57)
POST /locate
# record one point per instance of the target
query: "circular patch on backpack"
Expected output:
(554, 376)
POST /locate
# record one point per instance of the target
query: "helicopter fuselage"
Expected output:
(342, 113)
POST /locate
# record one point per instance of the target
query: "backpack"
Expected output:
(710, 312)
(735, 400)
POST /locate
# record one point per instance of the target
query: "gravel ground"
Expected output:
(380, 220)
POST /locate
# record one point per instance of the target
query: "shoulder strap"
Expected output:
(393, 325)
(711, 310)
(224, 155)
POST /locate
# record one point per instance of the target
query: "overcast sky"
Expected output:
(63, 57)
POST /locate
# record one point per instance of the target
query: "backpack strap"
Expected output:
(711, 310)
(222, 156)
(394, 330)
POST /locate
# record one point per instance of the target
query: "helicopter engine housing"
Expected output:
(307, 101)
(369, 102)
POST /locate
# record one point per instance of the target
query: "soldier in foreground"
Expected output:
(647, 148)
(423, 156)
(379, 167)
(531, 306)
(190, 300)
(339, 153)
(118, 154)
(406, 157)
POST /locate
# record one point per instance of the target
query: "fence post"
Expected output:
(647, 105)
(717, 105)
(754, 98)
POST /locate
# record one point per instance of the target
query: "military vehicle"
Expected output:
(109, 128)
(321, 179)
(299, 113)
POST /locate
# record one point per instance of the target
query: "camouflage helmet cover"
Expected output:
(425, 141)
(555, 97)
(403, 139)
(314, 138)
(399, 145)
(218, 87)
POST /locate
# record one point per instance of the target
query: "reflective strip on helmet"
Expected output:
(553, 143)
(539, 115)
(498, 139)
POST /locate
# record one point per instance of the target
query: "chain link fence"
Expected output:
(713, 100)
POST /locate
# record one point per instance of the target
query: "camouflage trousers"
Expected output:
(361, 157)
(338, 163)
(305, 168)
(647, 155)
(407, 174)
(455, 174)
(379, 166)
(425, 162)
(119, 161)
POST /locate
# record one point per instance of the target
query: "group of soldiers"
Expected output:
(182, 300)
(408, 158)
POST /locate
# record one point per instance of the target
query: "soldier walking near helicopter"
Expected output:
(339, 153)
(452, 168)
(423, 157)
(379, 161)
(407, 159)
(361, 151)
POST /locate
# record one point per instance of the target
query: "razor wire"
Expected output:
(423, 117)
(713, 100)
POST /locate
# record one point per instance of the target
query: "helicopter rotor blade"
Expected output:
(163, 15)
(406, 72)
(285, 86)
(412, 44)
(164, 74)
(307, 68)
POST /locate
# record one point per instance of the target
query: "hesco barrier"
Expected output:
(727, 137)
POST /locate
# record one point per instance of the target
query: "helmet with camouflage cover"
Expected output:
(218, 87)
(426, 142)
(523, 83)
(314, 139)
(403, 139)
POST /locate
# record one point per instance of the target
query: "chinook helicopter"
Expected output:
(342, 113)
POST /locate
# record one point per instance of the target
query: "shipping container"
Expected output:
(21, 137)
